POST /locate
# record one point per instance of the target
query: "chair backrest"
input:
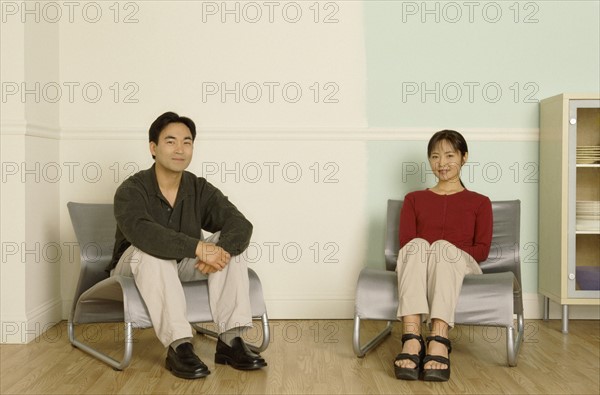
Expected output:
(504, 252)
(94, 226)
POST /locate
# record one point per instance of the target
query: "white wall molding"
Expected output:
(334, 133)
(32, 129)
(13, 127)
(108, 133)
(42, 130)
(23, 329)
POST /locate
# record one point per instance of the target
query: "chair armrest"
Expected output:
(115, 299)
(377, 294)
(486, 299)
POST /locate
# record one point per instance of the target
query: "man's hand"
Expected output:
(205, 268)
(211, 257)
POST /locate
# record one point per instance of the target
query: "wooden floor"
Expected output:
(312, 357)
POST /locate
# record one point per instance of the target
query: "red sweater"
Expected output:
(464, 219)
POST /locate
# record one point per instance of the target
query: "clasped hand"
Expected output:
(211, 258)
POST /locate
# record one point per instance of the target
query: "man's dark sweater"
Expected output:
(146, 219)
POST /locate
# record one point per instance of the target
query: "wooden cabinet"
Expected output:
(569, 202)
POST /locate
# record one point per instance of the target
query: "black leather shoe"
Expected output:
(184, 363)
(239, 356)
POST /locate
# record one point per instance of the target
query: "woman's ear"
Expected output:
(464, 158)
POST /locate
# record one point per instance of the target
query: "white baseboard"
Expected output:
(310, 309)
(288, 309)
(533, 305)
(67, 304)
(33, 325)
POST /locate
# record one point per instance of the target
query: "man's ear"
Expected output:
(153, 148)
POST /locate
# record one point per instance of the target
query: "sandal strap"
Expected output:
(415, 358)
(410, 336)
(439, 339)
(436, 358)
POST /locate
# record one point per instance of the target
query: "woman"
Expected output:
(445, 232)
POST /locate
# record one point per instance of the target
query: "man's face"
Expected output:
(174, 149)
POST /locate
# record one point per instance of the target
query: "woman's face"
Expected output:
(446, 162)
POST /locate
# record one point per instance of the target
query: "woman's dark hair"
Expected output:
(165, 119)
(455, 139)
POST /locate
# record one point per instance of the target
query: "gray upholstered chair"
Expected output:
(100, 298)
(490, 299)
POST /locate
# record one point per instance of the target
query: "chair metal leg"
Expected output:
(359, 350)
(546, 308)
(117, 365)
(513, 346)
(266, 334)
(266, 338)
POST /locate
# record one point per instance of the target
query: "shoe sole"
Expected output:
(436, 375)
(406, 374)
(225, 360)
(184, 375)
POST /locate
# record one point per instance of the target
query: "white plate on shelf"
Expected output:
(589, 205)
(587, 225)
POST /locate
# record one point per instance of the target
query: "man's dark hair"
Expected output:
(165, 119)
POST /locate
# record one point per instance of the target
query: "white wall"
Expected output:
(31, 252)
(275, 158)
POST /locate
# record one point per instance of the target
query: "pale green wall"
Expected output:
(560, 52)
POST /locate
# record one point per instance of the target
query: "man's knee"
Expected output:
(141, 261)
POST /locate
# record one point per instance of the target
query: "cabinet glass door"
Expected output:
(584, 199)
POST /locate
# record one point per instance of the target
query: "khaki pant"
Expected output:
(430, 277)
(159, 282)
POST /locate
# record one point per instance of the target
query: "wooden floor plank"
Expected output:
(312, 357)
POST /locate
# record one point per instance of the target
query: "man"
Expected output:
(160, 215)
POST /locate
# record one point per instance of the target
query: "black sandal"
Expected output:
(437, 374)
(410, 373)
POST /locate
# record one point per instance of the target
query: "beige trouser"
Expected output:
(430, 277)
(159, 282)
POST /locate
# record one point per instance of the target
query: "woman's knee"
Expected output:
(443, 251)
(414, 247)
